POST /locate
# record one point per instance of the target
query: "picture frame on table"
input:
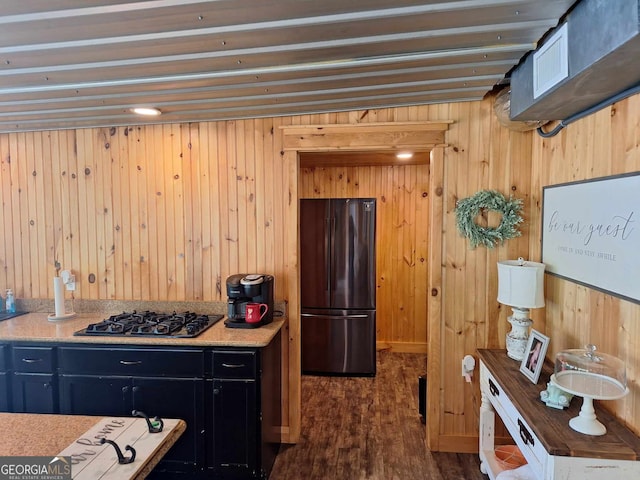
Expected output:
(534, 355)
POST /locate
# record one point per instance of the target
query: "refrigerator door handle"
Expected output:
(330, 260)
(327, 248)
(333, 316)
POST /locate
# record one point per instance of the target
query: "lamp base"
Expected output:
(518, 337)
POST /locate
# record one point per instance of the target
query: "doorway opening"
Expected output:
(300, 140)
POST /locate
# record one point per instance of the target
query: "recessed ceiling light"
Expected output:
(404, 155)
(146, 111)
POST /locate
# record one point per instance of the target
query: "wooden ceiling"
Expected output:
(68, 64)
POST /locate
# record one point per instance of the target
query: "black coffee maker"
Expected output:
(248, 288)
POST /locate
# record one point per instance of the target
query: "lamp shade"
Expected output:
(521, 284)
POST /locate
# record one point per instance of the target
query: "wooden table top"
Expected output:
(551, 425)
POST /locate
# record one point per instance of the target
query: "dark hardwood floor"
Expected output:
(368, 428)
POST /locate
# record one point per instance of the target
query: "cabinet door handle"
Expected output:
(32, 360)
(131, 362)
(525, 435)
(493, 389)
(233, 365)
(337, 317)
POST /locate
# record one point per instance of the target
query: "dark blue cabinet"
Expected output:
(34, 393)
(236, 407)
(5, 394)
(33, 384)
(246, 401)
(99, 380)
(95, 395)
(229, 397)
(176, 398)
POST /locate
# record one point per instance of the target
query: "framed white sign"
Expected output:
(591, 233)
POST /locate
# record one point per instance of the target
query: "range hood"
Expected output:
(592, 56)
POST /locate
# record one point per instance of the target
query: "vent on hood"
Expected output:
(603, 47)
(551, 62)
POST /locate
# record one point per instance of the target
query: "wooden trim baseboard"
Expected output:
(285, 435)
(403, 347)
(458, 444)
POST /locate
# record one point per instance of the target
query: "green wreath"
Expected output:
(469, 208)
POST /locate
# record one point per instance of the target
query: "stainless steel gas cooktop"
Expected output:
(151, 324)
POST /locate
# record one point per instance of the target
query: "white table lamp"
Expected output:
(521, 286)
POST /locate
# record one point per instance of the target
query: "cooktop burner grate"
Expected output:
(152, 324)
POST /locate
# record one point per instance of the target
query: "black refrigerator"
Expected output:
(338, 286)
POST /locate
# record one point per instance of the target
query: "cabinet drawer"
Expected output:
(132, 362)
(33, 359)
(525, 438)
(230, 364)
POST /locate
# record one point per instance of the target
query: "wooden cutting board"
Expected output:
(96, 461)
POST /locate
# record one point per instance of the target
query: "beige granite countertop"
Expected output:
(29, 434)
(36, 327)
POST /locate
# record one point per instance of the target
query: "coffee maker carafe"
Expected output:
(248, 288)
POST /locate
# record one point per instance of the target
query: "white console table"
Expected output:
(552, 449)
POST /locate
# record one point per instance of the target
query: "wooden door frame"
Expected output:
(391, 136)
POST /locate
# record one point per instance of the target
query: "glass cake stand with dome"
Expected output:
(590, 375)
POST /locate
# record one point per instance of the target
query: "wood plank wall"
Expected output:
(602, 144)
(401, 242)
(161, 212)
(481, 155)
(167, 212)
